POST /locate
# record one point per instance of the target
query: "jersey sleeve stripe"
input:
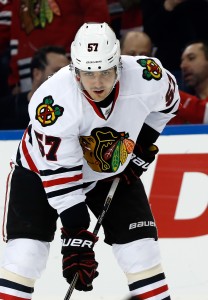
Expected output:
(170, 109)
(87, 184)
(64, 191)
(62, 180)
(59, 170)
(5, 17)
(18, 157)
(27, 156)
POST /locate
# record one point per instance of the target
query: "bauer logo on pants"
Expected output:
(47, 113)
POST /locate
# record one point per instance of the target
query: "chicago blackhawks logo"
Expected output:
(46, 113)
(152, 70)
(105, 149)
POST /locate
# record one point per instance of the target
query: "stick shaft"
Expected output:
(106, 205)
(96, 229)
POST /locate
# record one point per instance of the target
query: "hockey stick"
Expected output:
(96, 229)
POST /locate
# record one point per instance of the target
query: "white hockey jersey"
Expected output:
(71, 142)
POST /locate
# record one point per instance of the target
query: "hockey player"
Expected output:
(89, 124)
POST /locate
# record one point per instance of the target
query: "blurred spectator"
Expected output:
(37, 23)
(194, 67)
(136, 43)
(5, 23)
(132, 16)
(45, 62)
(125, 15)
(172, 24)
(116, 12)
(4, 73)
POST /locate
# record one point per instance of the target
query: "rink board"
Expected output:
(177, 186)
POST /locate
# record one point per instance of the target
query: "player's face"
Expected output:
(194, 65)
(98, 84)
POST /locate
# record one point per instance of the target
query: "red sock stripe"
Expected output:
(153, 293)
(10, 297)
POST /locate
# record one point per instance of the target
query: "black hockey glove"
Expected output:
(78, 256)
(141, 159)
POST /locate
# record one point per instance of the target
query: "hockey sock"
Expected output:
(15, 287)
(150, 287)
(153, 287)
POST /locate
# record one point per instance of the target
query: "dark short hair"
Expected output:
(200, 41)
(39, 60)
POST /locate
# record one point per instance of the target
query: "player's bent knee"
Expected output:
(138, 256)
(25, 257)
